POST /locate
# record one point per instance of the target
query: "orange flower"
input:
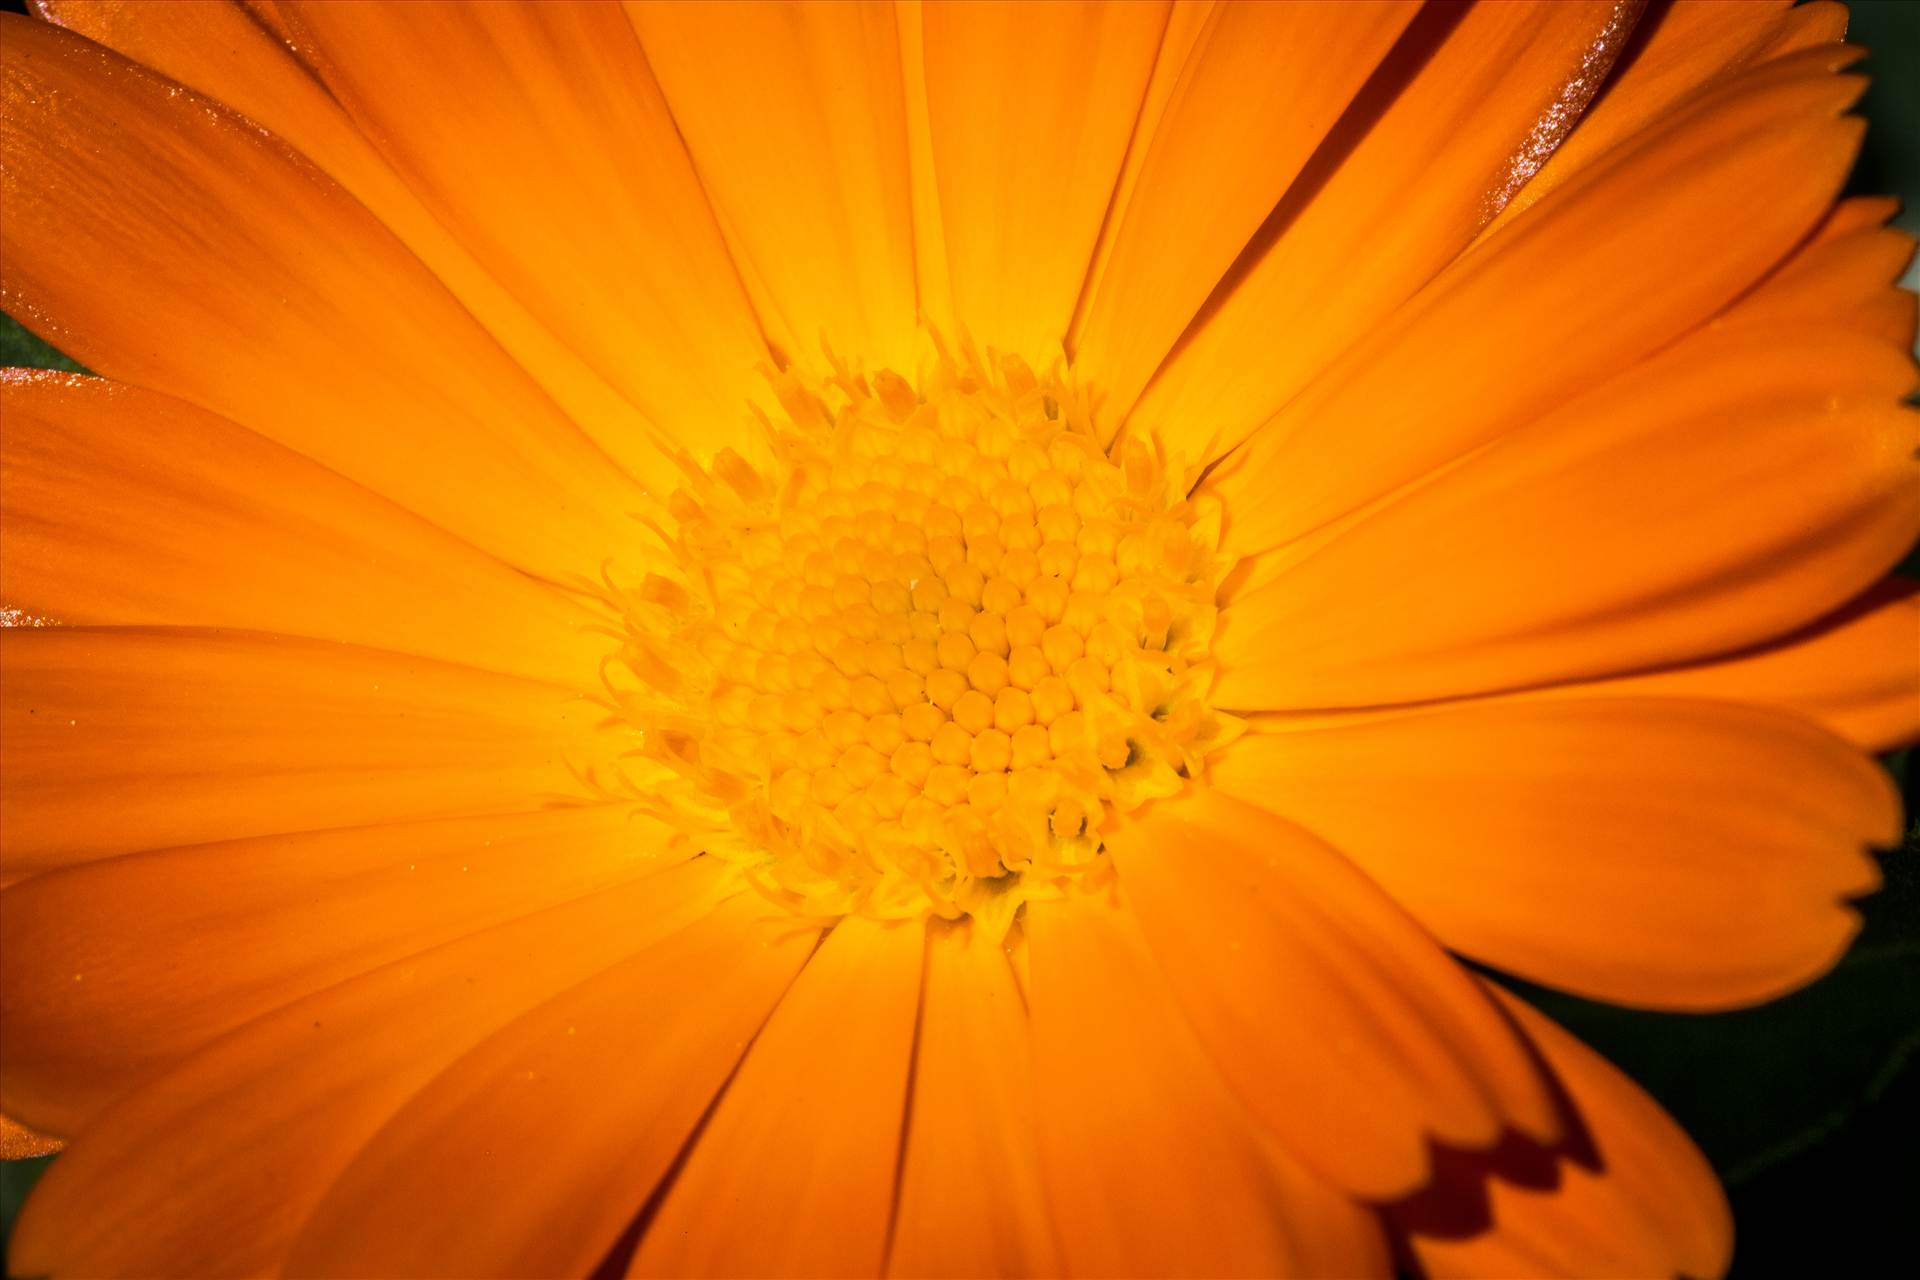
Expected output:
(899, 638)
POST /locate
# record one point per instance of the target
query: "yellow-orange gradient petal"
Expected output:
(1663, 853)
(260, 1123)
(1856, 671)
(339, 345)
(563, 1121)
(1398, 189)
(1030, 109)
(1620, 261)
(1153, 1167)
(796, 119)
(240, 58)
(1338, 1021)
(1282, 74)
(126, 507)
(115, 969)
(1636, 1197)
(971, 1198)
(119, 739)
(793, 1173)
(1748, 481)
(490, 112)
(1679, 51)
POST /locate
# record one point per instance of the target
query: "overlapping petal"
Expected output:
(1615, 847)
(276, 1110)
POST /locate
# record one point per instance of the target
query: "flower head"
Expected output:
(912, 638)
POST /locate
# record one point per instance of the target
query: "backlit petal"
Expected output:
(1635, 1199)
(629, 269)
(1621, 260)
(212, 1169)
(240, 57)
(119, 739)
(1342, 1026)
(1670, 854)
(123, 506)
(972, 1202)
(352, 352)
(116, 969)
(1399, 189)
(1030, 108)
(1153, 1167)
(806, 1139)
(1282, 74)
(1739, 486)
(796, 119)
(563, 1121)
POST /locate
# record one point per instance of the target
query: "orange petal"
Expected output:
(17, 1142)
(1396, 193)
(563, 1121)
(594, 220)
(240, 57)
(122, 506)
(1742, 484)
(287, 308)
(1283, 74)
(114, 970)
(213, 1168)
(120, 739)
(1635, 1199)
(1670, 854)
(1848, 273)
(1856, 671)
(1679, 51)
(1621, 261)
(793, 1173)
(796, 119)
(1339, 1023)
(1153, 1167)
(971, 1200)
(1030, 109)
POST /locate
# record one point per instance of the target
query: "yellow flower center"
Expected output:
(923, 658)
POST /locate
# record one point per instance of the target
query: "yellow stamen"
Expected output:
(930, 652)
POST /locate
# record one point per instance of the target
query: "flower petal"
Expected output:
(597, 223)
(806, 1138)
(563, 1121)
(1030, 109)
(1617, 264)
(1345, 1030)
(122, 506)
(971, 1200)
(240, 57)
(1637, 1198)
(795, 117)
(1668, 854)
(211, 1169)
(287, 307)
(1402, 189)
(1855, 671)
(1847, 274)
(1283, 75)
(1153, 1167)
(1743, 484)
(17, 1142)
(1679, 52)
(121, 739)
(117, 969)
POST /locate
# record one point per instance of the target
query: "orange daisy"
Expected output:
(910, 638)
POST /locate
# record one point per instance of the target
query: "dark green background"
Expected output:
(1809, 1107)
